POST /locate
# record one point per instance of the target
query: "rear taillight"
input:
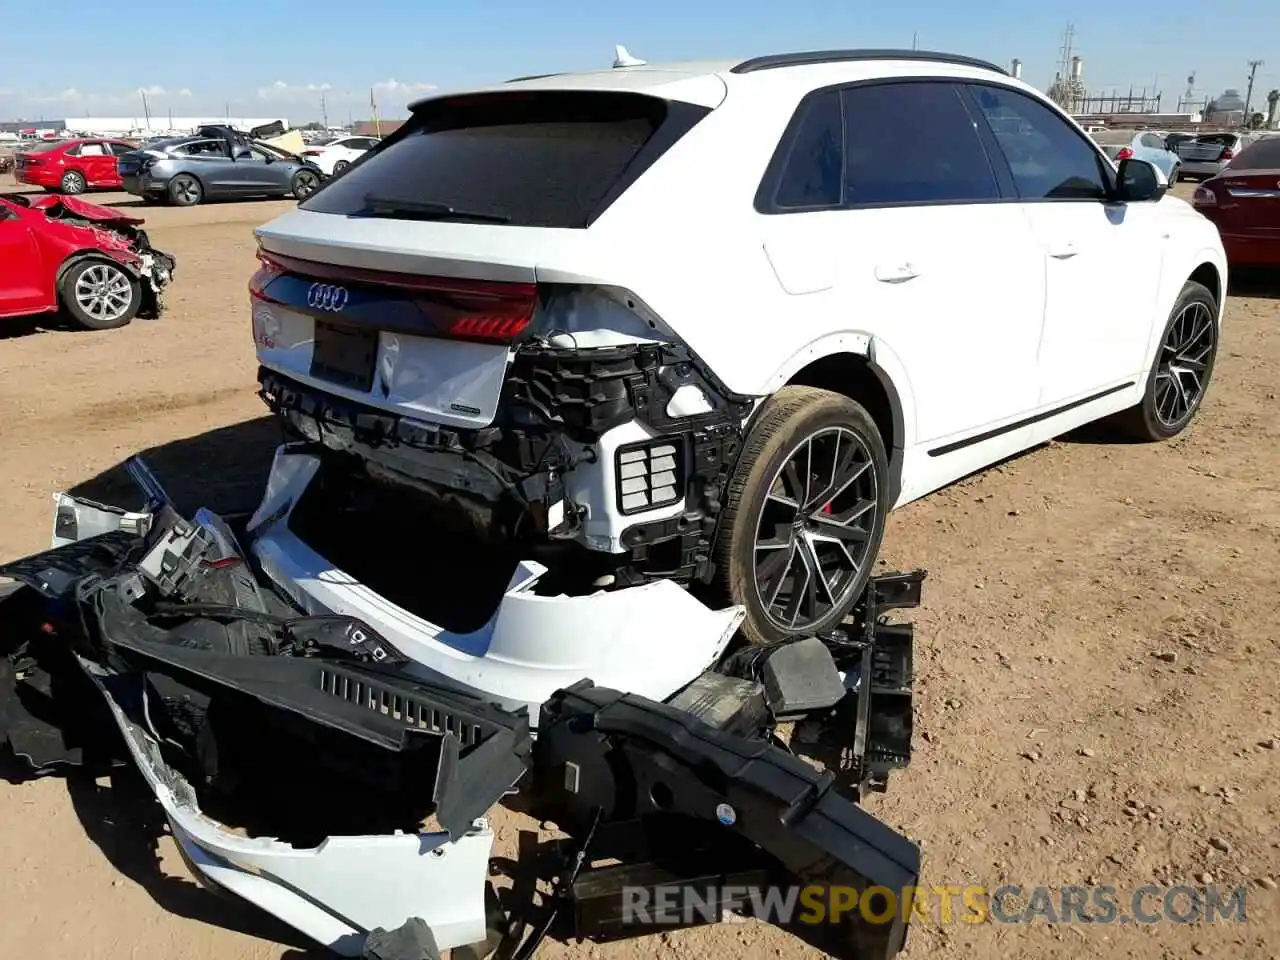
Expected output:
(480, 310)
(311, 153)
(267, 271)
(1204, 197)
(1228, 153)
(1125, 153)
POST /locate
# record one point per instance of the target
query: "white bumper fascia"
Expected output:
(338, 891)
(651, 640)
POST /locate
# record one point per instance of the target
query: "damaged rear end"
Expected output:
(445, 317)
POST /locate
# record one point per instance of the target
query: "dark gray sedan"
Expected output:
(187, 170)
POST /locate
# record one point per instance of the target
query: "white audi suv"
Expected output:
(702, 324)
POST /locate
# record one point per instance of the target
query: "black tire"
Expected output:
(838, 432)
(1174, 174)
(304, 183)
(73, 182)
(340, 166)
(1193, 322)
(184, 190)
(99, 274)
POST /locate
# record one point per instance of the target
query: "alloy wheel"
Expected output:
(304, 183)
(1186, 357)
(104, 292)
(188, 191)
(815, 528)
(72, 183)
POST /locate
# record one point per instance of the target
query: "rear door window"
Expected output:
(912, 143)
(538, 159)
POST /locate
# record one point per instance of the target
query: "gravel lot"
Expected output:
(1098, 656)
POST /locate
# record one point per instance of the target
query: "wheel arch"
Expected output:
(858, 376)
(1208, 275)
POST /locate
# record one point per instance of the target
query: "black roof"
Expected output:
(776, 60)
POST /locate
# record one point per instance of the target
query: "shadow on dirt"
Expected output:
(1258, 282)
(121, 817)
(224, 469)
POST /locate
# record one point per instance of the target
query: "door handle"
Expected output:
(1064, 251)
(898, 273)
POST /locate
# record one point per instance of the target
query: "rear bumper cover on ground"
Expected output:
(155, 603)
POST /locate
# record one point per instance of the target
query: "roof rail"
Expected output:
(775, 60)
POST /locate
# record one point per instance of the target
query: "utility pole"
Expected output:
(1248, 94)
(146, 111)
(914, 38)
(324, 113)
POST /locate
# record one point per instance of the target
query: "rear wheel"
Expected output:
(1180, 373)
(1174, 174)
(185, 190)
(340, 166)
(804, 515)
(100, 295)
(72, 182)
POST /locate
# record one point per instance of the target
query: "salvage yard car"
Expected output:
(216, 163)
(94, 263)
(533, 314)
(71, 166)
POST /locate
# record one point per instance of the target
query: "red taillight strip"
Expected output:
(502, 289)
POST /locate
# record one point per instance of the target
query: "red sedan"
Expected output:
(92, 262)
(71, 166)
(1244, 201)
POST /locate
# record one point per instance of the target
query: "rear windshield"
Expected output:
(1263, 155)
(43, 146)
(1218, 139)
(541, 159)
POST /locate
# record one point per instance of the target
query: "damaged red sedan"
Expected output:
(62, 253)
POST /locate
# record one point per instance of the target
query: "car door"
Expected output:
(932, 254)
(118, 149)
(1101, 259)
(96, 163)
(278, 170)
(211, 162)
(24, 282)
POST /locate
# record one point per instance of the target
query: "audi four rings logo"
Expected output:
(326, 296)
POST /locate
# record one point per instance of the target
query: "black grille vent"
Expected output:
(397, 706)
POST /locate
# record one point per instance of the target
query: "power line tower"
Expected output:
(1248, 94)
(324, 112)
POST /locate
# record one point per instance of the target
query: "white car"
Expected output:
(704, 325)
(334, 156)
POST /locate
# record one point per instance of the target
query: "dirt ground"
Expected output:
(1098, 656)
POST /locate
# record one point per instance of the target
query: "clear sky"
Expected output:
(275, 57)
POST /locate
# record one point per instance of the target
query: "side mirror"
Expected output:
(1139, 181)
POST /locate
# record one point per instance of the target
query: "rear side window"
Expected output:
(912, 143)
(544, 159)
(1048, 158)
(812, 174)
